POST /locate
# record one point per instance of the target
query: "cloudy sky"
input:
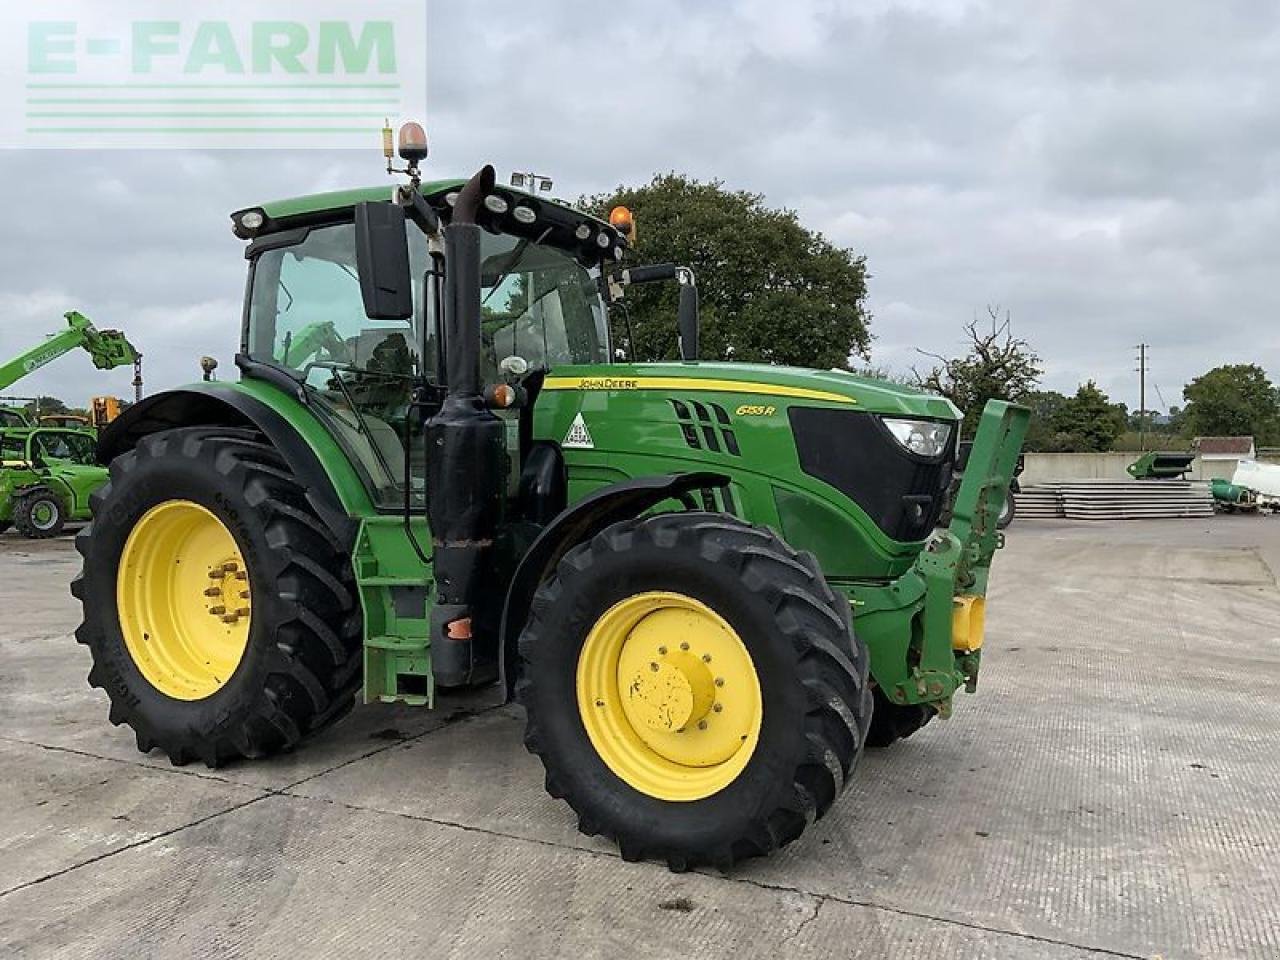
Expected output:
(1107, 172)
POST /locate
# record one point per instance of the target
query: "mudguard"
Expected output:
(580, 522)
(218, 405)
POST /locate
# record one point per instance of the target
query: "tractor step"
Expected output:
(394, 593)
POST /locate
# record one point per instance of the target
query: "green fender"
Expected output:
(333, 486)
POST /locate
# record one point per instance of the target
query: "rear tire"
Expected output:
(301, 662)
(811, 672)
(39, 515)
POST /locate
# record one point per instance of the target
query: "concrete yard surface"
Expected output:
(1110, 791)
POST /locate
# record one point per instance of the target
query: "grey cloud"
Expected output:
(1107, 172)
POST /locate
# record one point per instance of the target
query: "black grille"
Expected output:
(855, 453)
(701, 431)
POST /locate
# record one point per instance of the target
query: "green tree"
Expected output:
(771, 290)
(1089, 422)
(1233, 400)
(1041, 432)
(997, 366)
(45, 407)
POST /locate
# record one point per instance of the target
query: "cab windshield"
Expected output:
(78, 448)
(306, 315)
(540, 304)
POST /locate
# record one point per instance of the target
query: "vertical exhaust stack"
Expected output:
(466, 458)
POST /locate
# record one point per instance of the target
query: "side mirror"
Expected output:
(687, 316)
(382, 261)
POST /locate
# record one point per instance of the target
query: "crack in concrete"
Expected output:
(818, 901)
(129, 846)
(177, 771)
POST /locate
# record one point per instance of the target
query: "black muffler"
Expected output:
(466, 467)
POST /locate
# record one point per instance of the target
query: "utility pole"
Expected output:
(1142, 395)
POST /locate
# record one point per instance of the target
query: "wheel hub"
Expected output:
(182, 596)
(43, 514)
(669, 696)
(672, 693)
(227, 596)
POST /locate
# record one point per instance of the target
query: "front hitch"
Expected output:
(935, 613)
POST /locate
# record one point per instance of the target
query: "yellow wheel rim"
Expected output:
(669, 696)
(182, 594)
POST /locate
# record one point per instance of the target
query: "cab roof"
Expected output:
(553, 220)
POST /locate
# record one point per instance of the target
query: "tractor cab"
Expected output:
(542, 299)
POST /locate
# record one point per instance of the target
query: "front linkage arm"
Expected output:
(934, 613)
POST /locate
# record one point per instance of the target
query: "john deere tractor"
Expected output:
(707, 583)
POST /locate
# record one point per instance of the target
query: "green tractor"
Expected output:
(47, 475)
(709, 584)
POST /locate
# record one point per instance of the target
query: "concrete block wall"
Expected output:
(1049, 467)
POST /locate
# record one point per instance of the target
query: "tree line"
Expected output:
(1229, 400)
(774, 291)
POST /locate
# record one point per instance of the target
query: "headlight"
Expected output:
(926, 438)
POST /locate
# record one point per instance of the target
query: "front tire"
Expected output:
(39, 515)
(219, 609)
(892, 722)
(693, 688)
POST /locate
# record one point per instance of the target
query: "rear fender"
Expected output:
(312, 461)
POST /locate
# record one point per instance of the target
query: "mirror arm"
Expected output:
(419, 211)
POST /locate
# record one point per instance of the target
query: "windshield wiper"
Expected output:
(517, 255)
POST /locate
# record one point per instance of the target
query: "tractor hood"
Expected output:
(787, 384)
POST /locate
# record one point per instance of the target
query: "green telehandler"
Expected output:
(709, 584)
(47, 468)
(47, 475)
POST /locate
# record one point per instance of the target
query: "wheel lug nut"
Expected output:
(242, 574)
(653, 667)
(719, 681)
(706, 658)
(662, 651)
(230, 567)
(718, 707)
(217, 609)
(230, 618)
(213, 592)
(684, 646)
(244, 594)
(242, 612)
(702, 724)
